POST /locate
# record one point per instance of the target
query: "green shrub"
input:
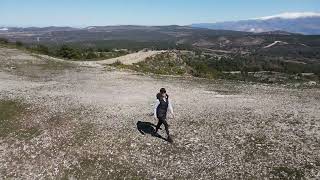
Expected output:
(91, 55)
(19, 44)
(117, 63)
(4, 41)
(42, 49)
(68, 52)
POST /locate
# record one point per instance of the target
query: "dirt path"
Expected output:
(131, 58)
(88, 119)
(128, 59)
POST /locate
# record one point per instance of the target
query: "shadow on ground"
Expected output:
(148, 128)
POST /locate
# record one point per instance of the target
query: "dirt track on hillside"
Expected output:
(87, 120)
(128, 59)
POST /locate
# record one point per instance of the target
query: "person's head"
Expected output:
(163, 92)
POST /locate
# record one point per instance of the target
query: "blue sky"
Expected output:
(142, 12)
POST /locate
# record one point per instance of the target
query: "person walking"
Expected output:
(161, 108)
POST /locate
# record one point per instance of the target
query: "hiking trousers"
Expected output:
(164, 122)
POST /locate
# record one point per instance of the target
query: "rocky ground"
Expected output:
(80, 122)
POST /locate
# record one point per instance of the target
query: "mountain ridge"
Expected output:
(301, 23)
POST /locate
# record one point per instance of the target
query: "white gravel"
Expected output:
(222, 130)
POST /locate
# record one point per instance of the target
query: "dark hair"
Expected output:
(158, 95)
(163, 90)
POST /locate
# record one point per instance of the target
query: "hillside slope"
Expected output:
(68, 121)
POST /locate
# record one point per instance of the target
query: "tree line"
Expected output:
(67, 51)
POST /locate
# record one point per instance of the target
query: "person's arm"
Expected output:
(155, 108)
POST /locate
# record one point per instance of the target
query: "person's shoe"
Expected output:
(169, 139)
(155, 134)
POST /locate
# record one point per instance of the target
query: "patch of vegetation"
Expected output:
(131, 45)
(118, 63)
(4, 41)
(19, 44)
(10, 113)
(74, 53)
(41, 49)
(164, 63)
(245, 65)
(209, 66)
(289, 173)
(44, 69)
(67, 51)
(101, 167)
(28, 133)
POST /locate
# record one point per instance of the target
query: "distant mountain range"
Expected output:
(103, 33)
(306, 23)
(272, 44)
(302, 23)
(164, 37)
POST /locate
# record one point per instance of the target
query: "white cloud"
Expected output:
(291, 15)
